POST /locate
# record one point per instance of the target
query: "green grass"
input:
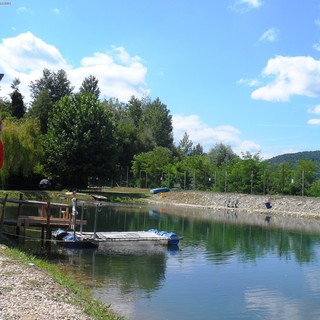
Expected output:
(82, 296)
(118, 195)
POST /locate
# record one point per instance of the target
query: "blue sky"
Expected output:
(242, 72)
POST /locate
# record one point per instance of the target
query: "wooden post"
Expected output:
(3, 211)
(43, 207)
(48, 221)
(48, 231)
(82, 210)
(19, 213)
(95, 222)
(42, 236)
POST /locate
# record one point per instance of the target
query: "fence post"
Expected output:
(19, 213)
(3, 211)
(48, 231)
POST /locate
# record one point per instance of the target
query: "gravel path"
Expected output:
(28, 293)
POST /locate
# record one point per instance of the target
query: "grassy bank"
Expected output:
(80, 297)
(115, 195)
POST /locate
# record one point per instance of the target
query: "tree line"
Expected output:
(76, 139)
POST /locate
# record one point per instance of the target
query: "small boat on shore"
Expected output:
(159, 190)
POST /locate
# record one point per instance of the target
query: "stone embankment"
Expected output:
(284, 205)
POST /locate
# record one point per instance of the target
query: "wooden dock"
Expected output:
(132, 236)
(45, 220)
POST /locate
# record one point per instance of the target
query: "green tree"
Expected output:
(282, 178)
(303, 177)
(156, 129)
(197, 150)
(90, 86)
(134, 108)
(41, 107)
(46, 91)
(141, 125)
(5, 108)
(22, 152)
(56, 83)
(18, 108)
(154, 163)
(245, 175)
(185, 146)
(221, 154)
(80, 140)
(196, 172)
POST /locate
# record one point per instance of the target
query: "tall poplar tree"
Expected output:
(18, 108)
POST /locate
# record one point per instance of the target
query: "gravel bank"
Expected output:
(282, 205)
(28, 293)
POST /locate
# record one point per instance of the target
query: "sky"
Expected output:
(245, 73)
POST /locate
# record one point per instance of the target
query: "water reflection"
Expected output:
(273, 305)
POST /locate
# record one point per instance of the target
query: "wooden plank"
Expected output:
(36, 202)
(42, 221)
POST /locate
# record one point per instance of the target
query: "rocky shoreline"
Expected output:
(280, 205)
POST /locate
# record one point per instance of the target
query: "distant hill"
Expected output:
(295, 157)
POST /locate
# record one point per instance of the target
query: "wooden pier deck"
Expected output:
(37, 221)
(46, 220)
(132, 236)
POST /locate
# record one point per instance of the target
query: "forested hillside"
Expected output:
(294, 158)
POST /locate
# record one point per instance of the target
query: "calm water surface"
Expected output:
(228, 266)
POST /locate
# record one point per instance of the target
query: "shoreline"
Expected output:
(298, 206)
(31, 289)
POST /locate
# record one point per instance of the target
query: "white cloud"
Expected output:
(316, 46)
(271, 35)
(249, 82)
(25, 56)
(208, 137)
(55, 11)
(314, 122)
(245, 5)
(293, 76)
(22, 10)
(315, 110)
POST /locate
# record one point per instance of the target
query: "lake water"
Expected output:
(229, 265)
